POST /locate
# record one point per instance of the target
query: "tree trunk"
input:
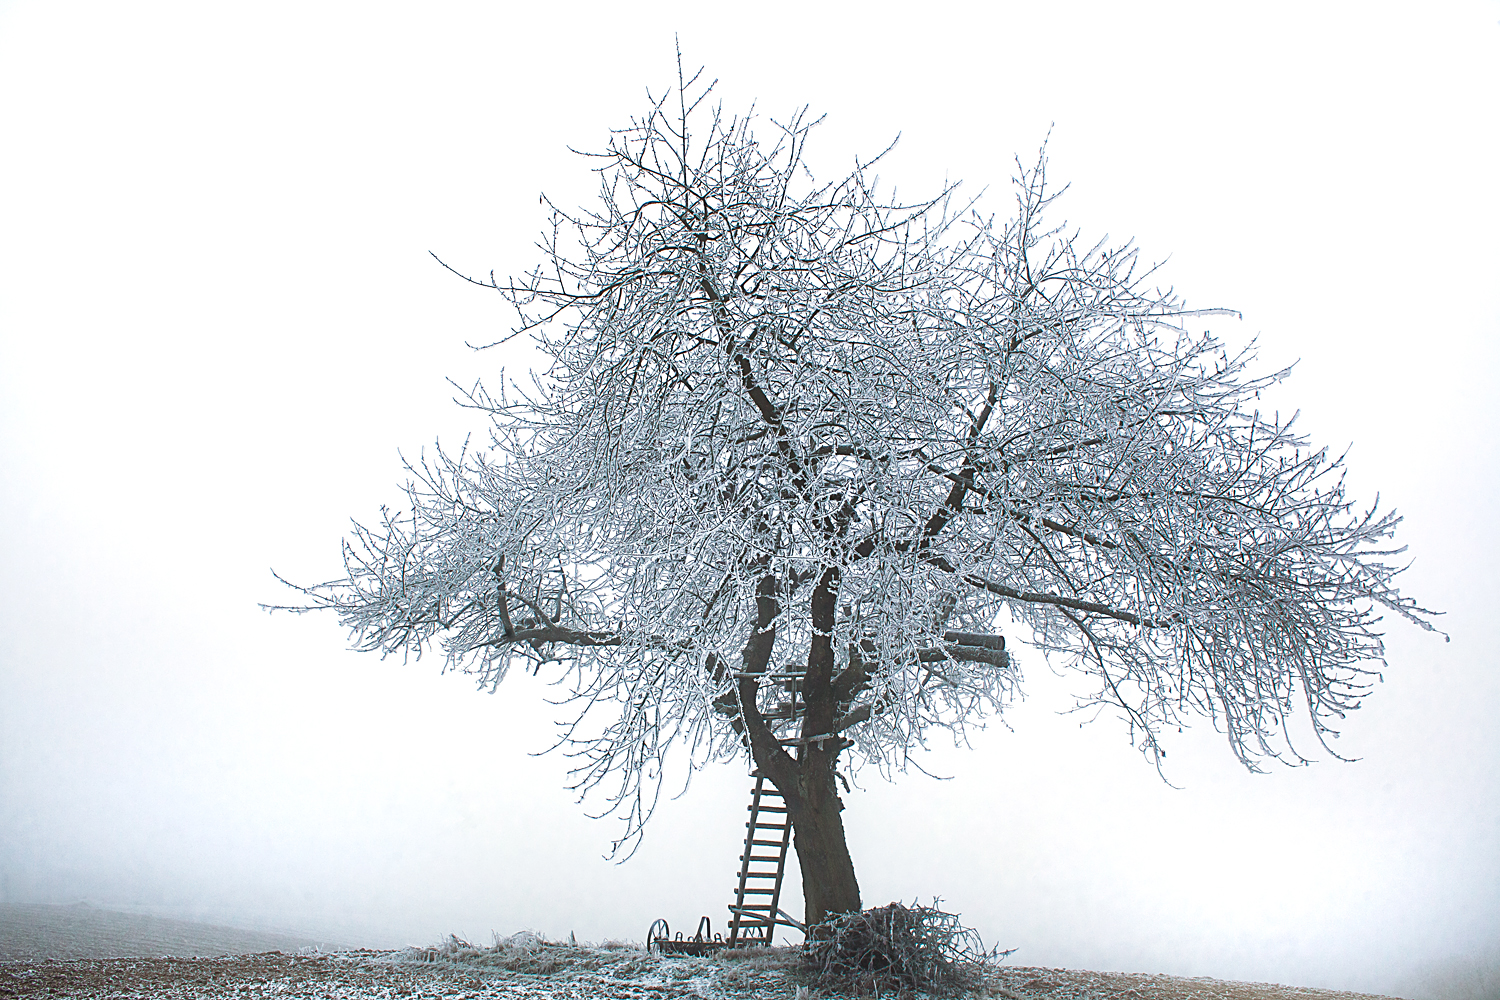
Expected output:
(828, 883)
(807, 785)
(807, 782)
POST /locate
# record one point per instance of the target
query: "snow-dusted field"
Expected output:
(61, 952)
(39, 931)
(362, 974)
(351, 975)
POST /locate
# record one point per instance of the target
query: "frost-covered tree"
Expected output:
(793, 434)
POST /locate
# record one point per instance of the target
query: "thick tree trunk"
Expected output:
(828, 883)
(807, 782)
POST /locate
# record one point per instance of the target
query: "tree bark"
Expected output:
(828, 883)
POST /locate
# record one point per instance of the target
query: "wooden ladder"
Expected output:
(768, 834)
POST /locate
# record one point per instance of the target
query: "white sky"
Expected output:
(219, 323)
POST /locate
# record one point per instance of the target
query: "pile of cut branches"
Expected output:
(898, 949)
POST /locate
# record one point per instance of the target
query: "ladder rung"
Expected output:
(761, 875)
(768, 857)
(764, 843)
(767, 809)
(767, 826)
(752, 907)
(762, 892)
(770, 790)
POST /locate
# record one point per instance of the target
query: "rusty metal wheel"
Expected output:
(658, 933)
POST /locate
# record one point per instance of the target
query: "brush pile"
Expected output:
(898, 949)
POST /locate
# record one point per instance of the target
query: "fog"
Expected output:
(219, 324)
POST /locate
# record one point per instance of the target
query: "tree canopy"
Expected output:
(797, 428)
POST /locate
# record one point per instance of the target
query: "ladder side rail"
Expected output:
(795, 689)
(739, 896)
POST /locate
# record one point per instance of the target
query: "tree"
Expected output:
(802, 432)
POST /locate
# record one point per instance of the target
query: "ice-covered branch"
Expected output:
(799, 439)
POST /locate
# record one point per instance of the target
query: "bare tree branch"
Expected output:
(793, 436)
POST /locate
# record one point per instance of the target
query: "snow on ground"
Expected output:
(365, 974)
(62, 952)
(413, 975)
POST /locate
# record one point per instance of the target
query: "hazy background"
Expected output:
(219, 323)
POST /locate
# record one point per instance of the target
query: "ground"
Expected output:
(52, 951)
(358, 975)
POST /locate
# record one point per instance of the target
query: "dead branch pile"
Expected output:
(901, 949)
